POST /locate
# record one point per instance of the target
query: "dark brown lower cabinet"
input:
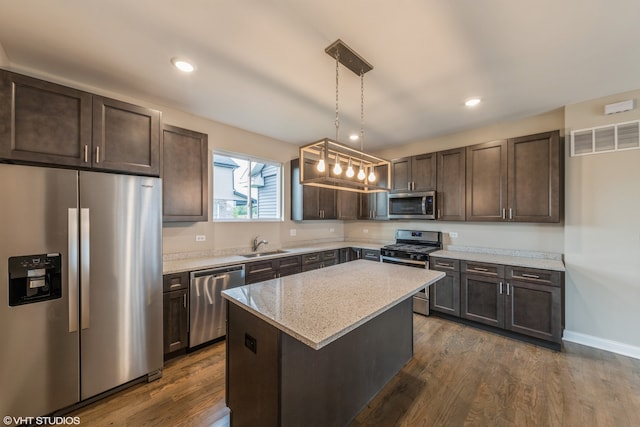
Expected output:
(444, 295)
(481, 300)
(175, 320)
(259, 271)
(316, 260)
(523, 300)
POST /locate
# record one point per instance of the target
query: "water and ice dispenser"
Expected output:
(34, 278)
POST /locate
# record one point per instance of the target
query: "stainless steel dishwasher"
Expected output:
(207, 311)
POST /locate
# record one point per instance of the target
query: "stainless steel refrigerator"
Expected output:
(81, 285)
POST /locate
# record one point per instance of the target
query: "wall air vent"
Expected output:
(605, 139)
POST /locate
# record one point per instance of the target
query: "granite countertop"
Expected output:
(317, 307)
(193, 264)
(540, 260)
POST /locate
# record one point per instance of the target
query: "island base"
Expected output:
(273, 379)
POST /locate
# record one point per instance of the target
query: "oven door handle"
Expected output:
(403, 260)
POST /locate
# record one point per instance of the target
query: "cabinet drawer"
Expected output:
(371, 254)
(290, 262)
(311, 258)
(330, 255)
(547, 277)
(481, 268)
(175, 281)
(444, 264)
(259, 267)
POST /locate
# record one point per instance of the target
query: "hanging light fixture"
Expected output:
(326, 150)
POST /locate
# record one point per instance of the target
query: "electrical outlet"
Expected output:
(251, 343)
(200, 237)
(453, 234)
(292, 232)
(365, 230)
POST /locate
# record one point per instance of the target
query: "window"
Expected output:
(246, 188)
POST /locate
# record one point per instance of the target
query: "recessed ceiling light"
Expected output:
(472, 102)
(183, 65)
(354, 137)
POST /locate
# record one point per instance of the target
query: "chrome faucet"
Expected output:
(257, 244)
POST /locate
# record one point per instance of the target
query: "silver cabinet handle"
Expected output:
(480, 269)
(438, 213)
(500, 288)
(510, 213)
(508, 288)
(504, 213)
(184, 300)
(175, 285)
(530, 276)
(86, 153)
(85, 271)
(98, 154)
(72, 255)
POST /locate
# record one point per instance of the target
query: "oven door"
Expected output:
(421, 299)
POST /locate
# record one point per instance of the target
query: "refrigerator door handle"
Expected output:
(85, 281)
(72, 247)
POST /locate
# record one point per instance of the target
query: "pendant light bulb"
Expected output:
(361, 174)
(337, 169)
(372, 176)
(321, 166)
(350, 173)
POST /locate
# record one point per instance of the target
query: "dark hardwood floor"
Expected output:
(459, 376)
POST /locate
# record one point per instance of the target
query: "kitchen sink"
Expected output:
(259, 254)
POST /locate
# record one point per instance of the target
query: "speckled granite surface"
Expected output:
(541, 260)
(317, 307)
(178, 265)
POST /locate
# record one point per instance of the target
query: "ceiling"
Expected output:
(261, 64)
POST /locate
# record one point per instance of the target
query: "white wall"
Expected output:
(602, 235)
(531, 237)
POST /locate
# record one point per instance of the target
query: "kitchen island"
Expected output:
(314, 348)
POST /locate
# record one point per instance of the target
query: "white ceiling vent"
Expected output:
(605, 139)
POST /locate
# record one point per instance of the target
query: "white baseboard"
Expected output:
(602, 344)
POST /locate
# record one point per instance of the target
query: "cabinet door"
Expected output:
(481, 299)
(367, 205)
(487, 181)
(381, 199)
(126, 137)
(451, 188)
(327, 203)
(401, 175)
(175, 319)
(444, 295)
(185, 175)
(423, 172)
(348, 206)
(534, 178)
(43, 122)
(534, 310)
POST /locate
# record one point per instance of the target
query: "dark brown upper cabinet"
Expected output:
(451, 188)
(515, 180)
(348, 205)
(415, 173)
(126, 137)
(185, 175)
(375, 205)
(309, 202)
(47, 123)
(534, 189)
(43, 122)
(487, 181)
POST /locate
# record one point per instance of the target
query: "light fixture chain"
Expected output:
(337, 83)
(361, 110)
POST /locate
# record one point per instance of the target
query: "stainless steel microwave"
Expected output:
(412, 205)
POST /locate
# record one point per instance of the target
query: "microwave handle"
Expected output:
(424, 205)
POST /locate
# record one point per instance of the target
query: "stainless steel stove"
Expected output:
(412, 249)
